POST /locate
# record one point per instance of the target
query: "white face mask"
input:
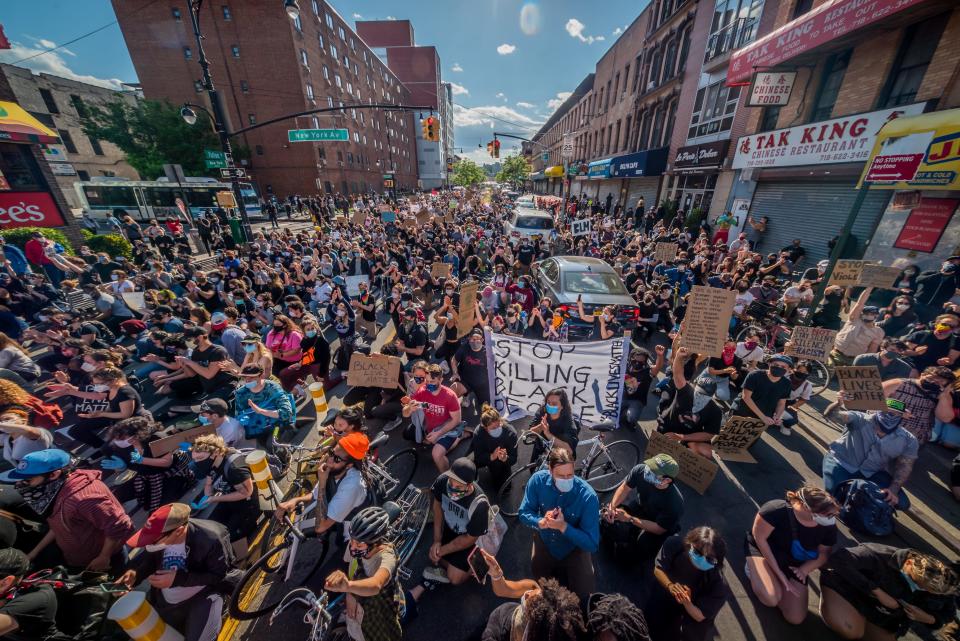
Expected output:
(154, 547)
(88, 367)
(495, 433)
(825, 521)
(100, 388)
(122, 442)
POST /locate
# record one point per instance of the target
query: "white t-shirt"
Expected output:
(351, 493)
(231, 431)
(14, 449)
(749, 358)
(175, 556)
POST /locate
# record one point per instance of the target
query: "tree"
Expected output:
(515, 169)
(467, 173)
(152, 133)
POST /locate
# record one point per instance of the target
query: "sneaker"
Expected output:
(435, 575)
(392, 425)
(786, 431)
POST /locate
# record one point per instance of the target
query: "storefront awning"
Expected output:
(599, 168)
(536, 175)
(916, 152)
(19, 126)
(556, 171)
(650, 162)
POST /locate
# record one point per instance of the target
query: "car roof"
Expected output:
(582, 264)
(524, 211)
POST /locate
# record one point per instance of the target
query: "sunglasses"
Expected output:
(418, 379)
(337, 459)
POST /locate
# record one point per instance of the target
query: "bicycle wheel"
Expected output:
(339, 633)
(750, 329)
(820, 376)
(610, 465)
(409, 526)
(265, 583)
(510, 495)
(401, 467)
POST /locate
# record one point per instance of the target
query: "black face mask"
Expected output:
(930, 387)
(201, 469)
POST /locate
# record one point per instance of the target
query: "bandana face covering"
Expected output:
(41, 498)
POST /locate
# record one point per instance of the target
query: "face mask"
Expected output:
(395, 296)
(563, 485)
(476, 346)
(203, 420)
(522, 283)
(825, 521)
(868, 318)
(88, 367)
(310, 333)
(251, 385)
(154, 547)
(201, 469)
(41, 498)
(341, 313)
(214, 280)
(122, 442)
(249, 349)
(913, 584)
(903, 307)
(432, 387)
(553, 410)
(114, 277)
(700, 562)
(455, 494)
(777, 372)
(930, 387)
(357, 554)
(891, 355)
(99, 388)
(448, 292)
(495, 433)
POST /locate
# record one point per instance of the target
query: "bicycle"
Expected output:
(604, 466)
(774, 334)
(275, 573)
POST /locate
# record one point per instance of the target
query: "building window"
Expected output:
(343, 35)
(79, 105)
(337, 81)
(49, 102)
(713, 109)
(252, 119)
(735, 24)
(226, 13)
(297, 24)
(67, 141)
(259, 150)
(353, 44)
(244, 86)
(197, 86)
(329, 101)
(85, 175)
(803, 6)
(235, 51)
(303, 58)
(916, 50)
(329, 20)
(95, 145)
(321, 153)
(176, 14)
(320, 39)
(187, 53)
(768, 121)
(349, 88)
(309, 92)
(326, 72)
(833, 73)
(333, 53)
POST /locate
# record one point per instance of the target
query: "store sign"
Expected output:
(599, 169)
(651, 162)
(709, 155)
(62, 169)
(917, 153)
(926, 223)
(29, 209)
(771, 88)
(846, 139)
(829, 21)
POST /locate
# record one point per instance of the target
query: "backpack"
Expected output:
(490, 540)
(863, 508)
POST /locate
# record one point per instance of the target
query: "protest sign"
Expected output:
(375, 370)
(441, 270)
(423, 218)
(353, 284)
(707, 321)
(388, 216)
(879, 276)
(695, 470)
(467, 309)
(846, 273)
(811, 342)
(384, 208)
(134, 301)
(580, 227)
(163, 446)
(862, 387)
(665, 252)
(735, 438)
(359, 216)
(522, 371)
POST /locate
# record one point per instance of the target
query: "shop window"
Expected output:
(713, 109)
(769, 118)
(67, 141)
(833, 73)
(49, 102)
(95, 145)
(20, 168)
(916, 50)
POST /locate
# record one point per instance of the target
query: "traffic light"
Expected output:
(496, 148)
(490, 148)
(431, 129)
(425, 129)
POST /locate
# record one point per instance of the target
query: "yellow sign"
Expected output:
(226, 199)
(553, 172)
(916, 152)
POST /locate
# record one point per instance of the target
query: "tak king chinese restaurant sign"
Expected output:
(827, 22)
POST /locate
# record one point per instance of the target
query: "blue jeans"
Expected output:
(630, 413)
(947, 434)
(54, 274)
(834, 474)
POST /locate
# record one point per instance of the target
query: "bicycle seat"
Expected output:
(605, 426)
(380, 439)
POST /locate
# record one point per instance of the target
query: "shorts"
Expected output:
(457, 559)
(448, 440)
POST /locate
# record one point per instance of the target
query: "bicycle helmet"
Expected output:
(370, 525)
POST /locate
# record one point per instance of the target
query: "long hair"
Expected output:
(565, 407)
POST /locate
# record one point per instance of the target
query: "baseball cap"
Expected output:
(164, 519)
(823, 263)
(950, 268)
(871, 309)
(663, 465)
(249, 339)
(463, 471)
(39, 463)
(355, 444)
(213, 405)
(218, 318)
(783, 358)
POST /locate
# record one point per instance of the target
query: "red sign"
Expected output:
(827, 22)
(29, 209)
(926, 223)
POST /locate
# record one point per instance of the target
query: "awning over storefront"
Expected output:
(19, 126)
(599, 168)
(536, 175)
(556, 171)
(700, 158)
(650, 162)
(916, 152)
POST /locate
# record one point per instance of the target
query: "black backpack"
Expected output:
(863, 508)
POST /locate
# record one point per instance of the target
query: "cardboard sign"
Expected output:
(441, 270)
(467, 309)
(388, 216)
(879, 276)
(707, 322)
(226, 199)
(666, 252)
(384, 208)
(134, 301)
(410, 224)
(581, 227)
(846, 273)
(359, 216)
(862, 387)
(811, 342)
(353, 284)
(695, 470)
(735, 438)
(375, 370)
(424, 218)
(163, 446)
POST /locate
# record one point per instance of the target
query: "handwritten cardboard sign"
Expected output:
(388, 216)
(862, 387)
(735, 438)
(423, 218)
(707, 322)
(695, 470)
(666, 252)
(353, 284)
(359, 216)
(384, 208)
(467, 309)
(811, 342)
(879, 276)
(375, 370)
(581, 227)
(134, 301)
(441, 270)
(846, 273)
(163, 446)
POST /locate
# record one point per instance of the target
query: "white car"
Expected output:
(529, 223)
(524, 201)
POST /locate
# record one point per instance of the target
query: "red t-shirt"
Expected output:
(438, 408)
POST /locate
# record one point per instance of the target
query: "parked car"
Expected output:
(563, 278)
(530, 223)
(524, 201)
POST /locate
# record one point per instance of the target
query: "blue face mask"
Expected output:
(310, 333)
(913, 584)
(551, 409)
(701, 562)
(251, 385)
(563, 485)
(203, 420)
(250, 349)
(432, 387)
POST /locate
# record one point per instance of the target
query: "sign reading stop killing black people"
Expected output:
(522, 371)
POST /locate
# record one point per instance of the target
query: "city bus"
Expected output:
(146, 199)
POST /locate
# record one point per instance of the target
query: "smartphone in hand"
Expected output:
(478, 566)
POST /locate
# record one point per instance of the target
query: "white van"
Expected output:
(529, 223)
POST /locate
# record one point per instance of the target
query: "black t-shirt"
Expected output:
(457, 519)
(35, 611)
(210, 304)
(779, 514)
(126, 393)
(413, 338)
(663, 507)
(936, 348)
(472, 366)
(641, 373)
(766, 393)
(525, 255)
(205, 357)
(612, 326)
(680, 419)
(716, 362)
(709, 591)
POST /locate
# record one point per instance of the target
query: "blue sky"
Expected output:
(508, 59)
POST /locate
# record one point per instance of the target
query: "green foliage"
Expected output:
(112, 244)
(467, 173)
(694, 218)
(152, 133)
(670, 207)
(515, 169)
(20, 235)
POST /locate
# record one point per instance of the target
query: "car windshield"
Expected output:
(533, 222)
(593, 283)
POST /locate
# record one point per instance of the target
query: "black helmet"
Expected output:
(370, 525)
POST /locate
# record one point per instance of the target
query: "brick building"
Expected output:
(266, 65)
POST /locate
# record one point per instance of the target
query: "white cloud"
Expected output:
(526, 105)
(617, 31)
(501, 95)
(357, 16)
(53, 64)
(505, 49)
(484, 116)
(530, 19)
(575, 28)
(391, 18)
(458, 90)
(456, 67)
(554, 103)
